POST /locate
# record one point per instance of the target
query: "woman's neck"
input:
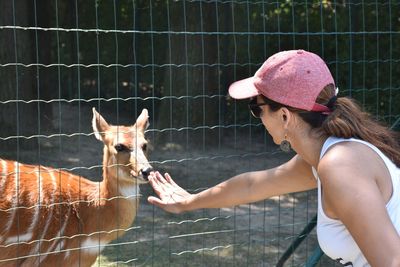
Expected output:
(308, 146)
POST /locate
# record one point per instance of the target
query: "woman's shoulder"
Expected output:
(347, 158)
(343, 150)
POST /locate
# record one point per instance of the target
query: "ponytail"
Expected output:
(347, 120)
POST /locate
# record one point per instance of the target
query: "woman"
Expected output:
(351, 159)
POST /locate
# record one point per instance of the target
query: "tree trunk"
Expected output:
(16, 118)
(193, 74)
(48, 87)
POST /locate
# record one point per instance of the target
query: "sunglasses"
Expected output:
(255, 108)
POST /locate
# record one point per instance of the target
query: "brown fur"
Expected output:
(76, 216)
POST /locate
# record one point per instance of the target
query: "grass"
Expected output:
(248, 235)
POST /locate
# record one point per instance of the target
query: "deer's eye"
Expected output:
(121, 148)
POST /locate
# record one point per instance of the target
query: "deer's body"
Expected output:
(50, 217)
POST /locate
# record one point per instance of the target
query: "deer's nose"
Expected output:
(146, 172)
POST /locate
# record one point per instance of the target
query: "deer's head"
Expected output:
(125, 148)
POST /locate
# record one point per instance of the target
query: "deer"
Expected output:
(52, 217)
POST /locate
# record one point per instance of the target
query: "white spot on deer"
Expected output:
(19, 238)
(60, 234)
(53, 177)
(14, 197)
(67, 254)
(93, 245)
(52, 250)
(36, 216)
(61, 245)
(120, 173)
(50, 215)
(3, 179)
(131, 192)
(3, 174)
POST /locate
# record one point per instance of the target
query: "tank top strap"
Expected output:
(392, 168)
(334, 140)
(330, 142)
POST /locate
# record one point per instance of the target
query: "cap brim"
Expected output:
(243, 89)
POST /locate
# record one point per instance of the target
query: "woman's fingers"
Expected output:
(155, 201)
(159, 177)
(157, 185)
(162, 187)
(162, 179)
(166, 182)
(169, 194)
(169, 179)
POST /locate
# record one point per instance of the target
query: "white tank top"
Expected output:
(333, 237)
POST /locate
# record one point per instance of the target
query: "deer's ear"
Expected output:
(99, 124)
(142, 121)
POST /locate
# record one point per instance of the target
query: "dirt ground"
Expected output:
(248, 235)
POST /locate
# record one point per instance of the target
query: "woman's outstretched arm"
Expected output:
(292, 176)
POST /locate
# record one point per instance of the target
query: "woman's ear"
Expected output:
(286, 116)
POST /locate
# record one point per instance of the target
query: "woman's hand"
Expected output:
(171, 197)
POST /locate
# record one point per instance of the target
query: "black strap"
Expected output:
(331, 103)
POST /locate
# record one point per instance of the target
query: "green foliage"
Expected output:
(127, 48)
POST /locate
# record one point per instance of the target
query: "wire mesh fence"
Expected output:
(176, 59)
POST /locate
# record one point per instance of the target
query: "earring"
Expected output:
(285, 145)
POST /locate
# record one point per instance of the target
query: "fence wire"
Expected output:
(176, 59)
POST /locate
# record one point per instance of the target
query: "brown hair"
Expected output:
(348, 120)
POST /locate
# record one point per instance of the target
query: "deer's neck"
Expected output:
(115, 188)
(115, 198)
(114, 184)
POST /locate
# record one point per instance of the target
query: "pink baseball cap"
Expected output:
(293, 78)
